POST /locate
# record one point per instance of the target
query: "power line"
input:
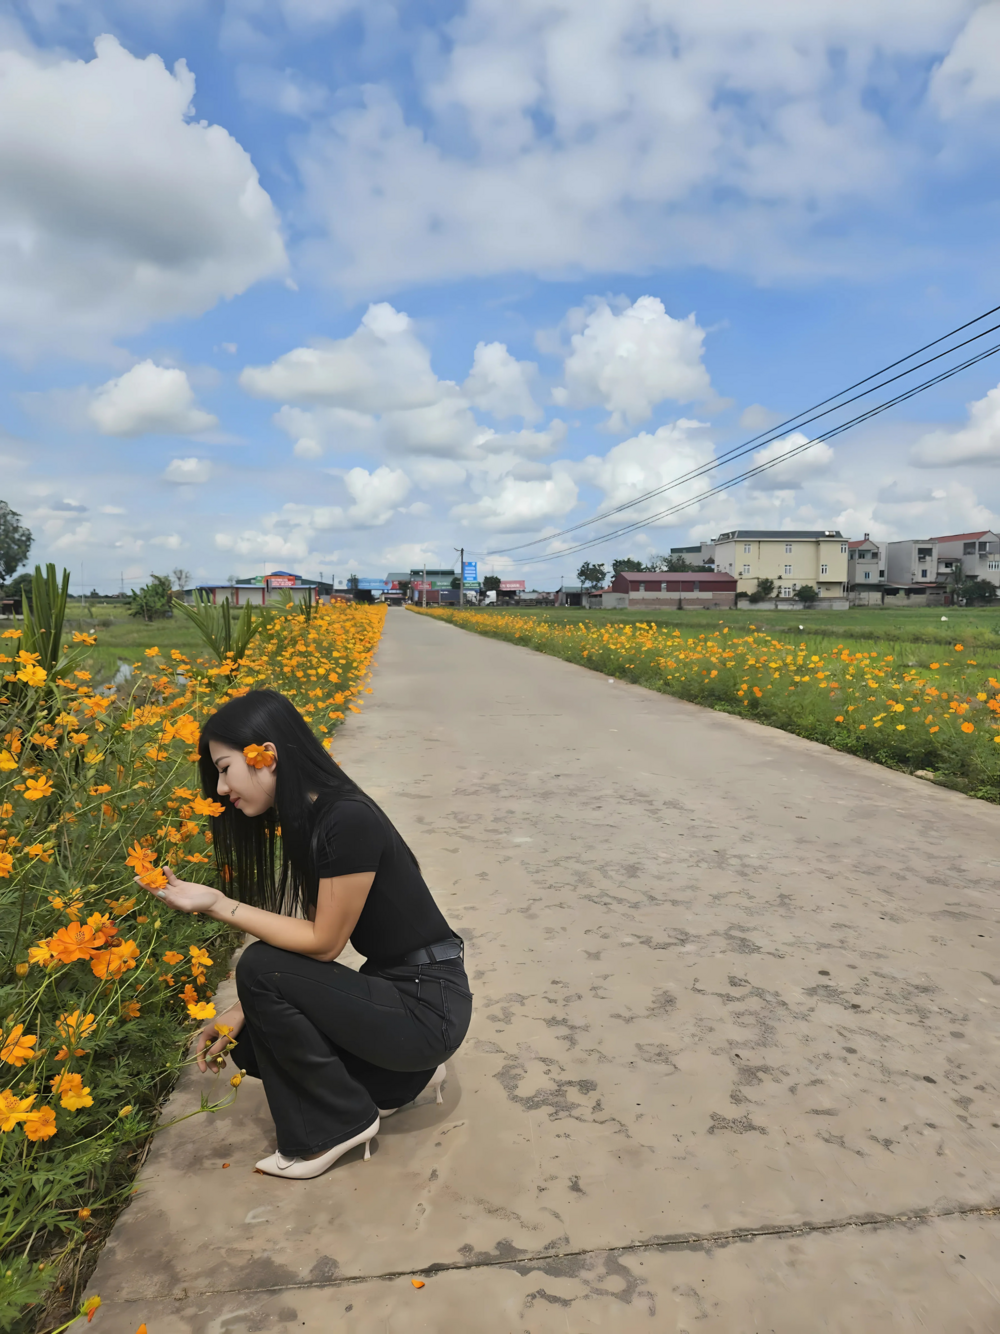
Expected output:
(763, 467)
(797, 421)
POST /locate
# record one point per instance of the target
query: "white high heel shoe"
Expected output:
(302, 1169)
(437, 1079)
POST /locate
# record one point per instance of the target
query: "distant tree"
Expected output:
(181, 577)
(456, 583)
(15, 541)
(352, 582)
(153, 602)
(20, 587)
(404, 587)
(491, 584)
(763, 592)
(593, 575)
(677, 564)
(977, 592)
(807, 595)
(626, 566)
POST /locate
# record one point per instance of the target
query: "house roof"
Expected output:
(964, 537)
(654, 576)
(862, 542)
(776, 535)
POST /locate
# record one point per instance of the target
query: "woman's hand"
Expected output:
(185, 895)
(212, 1043)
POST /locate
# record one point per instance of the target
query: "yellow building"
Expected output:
(791, 559)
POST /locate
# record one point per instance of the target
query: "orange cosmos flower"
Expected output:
(120, 906)
(257, 757)
(73, 942)
(72, 1093)
(130, 1010)
(205, 806)
(172, 956)
(6, 865)
(968, 727)
(16, 1050)
(38, 788)
(189, 995)
(115, 961)
(41, 1124)
(154, 879)
(201, 1010)
(75, 1026)
(80, 637)
(32, 676)
(140, 858)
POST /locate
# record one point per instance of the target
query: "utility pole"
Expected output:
(423, 590)
(461, 576)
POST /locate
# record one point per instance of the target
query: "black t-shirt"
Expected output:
(400, 914)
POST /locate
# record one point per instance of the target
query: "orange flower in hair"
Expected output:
(257, 757)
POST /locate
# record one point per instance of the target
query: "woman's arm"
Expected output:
(338, 907)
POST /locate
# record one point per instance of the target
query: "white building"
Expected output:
(977, 554)
(790, 559)
(866, 571)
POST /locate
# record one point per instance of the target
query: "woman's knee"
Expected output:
(255, 960)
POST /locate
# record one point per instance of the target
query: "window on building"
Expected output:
(993, 564)
(696, 587)
(746, 569)
(788, 569)
(868, 574)
(968, 548)
(923, 574)
(642, 588)
(925, 553)
(824, 569)
(663, 588)
(788, 548)
(881, 574)
(843, 547)
(786, 592)
(747, 548)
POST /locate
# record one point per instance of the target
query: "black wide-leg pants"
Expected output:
(332, 1045)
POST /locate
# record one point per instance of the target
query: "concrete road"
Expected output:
(734, 1062)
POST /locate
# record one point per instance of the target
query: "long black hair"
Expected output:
(245, 846)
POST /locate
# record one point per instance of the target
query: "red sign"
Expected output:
(511, 585)
(281, 580)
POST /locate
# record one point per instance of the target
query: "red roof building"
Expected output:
(664, 588)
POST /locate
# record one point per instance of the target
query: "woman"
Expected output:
(336, 1049)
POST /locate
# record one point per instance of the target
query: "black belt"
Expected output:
(454, 948)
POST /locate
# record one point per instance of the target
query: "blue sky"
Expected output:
(323, 286)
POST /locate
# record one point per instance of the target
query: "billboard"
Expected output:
(281, 580)
(511, 585)
(470, 571)
(373, 585)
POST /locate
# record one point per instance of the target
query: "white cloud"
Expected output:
(614, 136)
(500, 384)
(376, 389)
(382, 366)
(188, 472)
(148, 399)
(630, 359)
(292, 530)
(171, 541)
(791, 474)
(645, 462)
(518, 504)
(116, 207)
(970, 72)
(976, 442)
(758, 418)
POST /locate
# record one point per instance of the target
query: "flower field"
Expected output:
(943, 717)
(100, 995)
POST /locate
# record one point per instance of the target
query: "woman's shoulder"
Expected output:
(342, 810)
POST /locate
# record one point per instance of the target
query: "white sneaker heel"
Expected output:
(302, 1169)
(436, 1080)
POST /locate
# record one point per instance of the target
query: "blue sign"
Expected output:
(470, 571)
(375, 585)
